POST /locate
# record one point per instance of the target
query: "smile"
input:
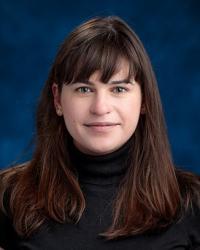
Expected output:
(101, 126)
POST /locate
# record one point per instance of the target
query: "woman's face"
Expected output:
(100, 117)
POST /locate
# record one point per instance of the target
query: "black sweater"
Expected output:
(99, 178)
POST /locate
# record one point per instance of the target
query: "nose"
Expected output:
(100, 104)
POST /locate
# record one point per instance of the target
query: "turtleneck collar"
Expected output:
(102, 169)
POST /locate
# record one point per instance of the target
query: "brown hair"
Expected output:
(152, 193)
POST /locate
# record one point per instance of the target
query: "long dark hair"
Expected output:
(152, 193)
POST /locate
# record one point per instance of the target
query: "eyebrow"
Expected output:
(110, 82)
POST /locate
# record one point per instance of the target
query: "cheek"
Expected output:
(73, 113)
(131, 109)
(131, 116)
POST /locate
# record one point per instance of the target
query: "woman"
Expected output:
(102, 175)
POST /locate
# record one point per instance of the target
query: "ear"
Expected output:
(56, 97)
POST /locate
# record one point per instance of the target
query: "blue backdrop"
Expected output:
(31, 32)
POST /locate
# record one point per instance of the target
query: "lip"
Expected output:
(101, 127)
(101, 124)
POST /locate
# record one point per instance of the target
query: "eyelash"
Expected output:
(115, 88)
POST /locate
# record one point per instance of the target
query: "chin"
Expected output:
(102, 150)
(99, 147)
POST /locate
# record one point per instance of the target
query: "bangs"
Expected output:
(102, 53)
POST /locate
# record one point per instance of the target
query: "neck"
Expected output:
(102, 169)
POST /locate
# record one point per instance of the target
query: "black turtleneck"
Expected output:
(99, 178)
(100, 170)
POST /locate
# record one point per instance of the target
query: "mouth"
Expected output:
(101, 124)
(101, 127)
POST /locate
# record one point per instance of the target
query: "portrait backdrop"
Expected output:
(31, 32)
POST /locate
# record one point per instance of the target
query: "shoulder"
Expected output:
(12, 172)
(13, 169)
(8, 180)
(190, 223)
(189, 185)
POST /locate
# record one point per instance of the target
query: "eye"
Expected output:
(83, 90)
(119, 89)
